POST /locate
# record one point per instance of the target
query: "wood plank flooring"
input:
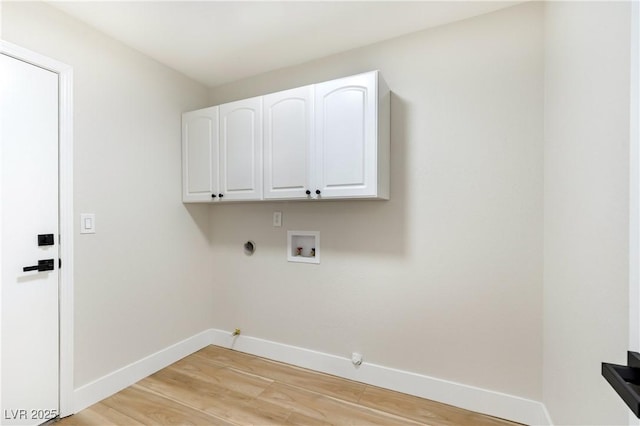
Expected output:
(217, 386)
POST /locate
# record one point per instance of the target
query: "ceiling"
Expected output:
(216, 42)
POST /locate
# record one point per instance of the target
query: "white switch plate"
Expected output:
(277, 219)
(87, 223)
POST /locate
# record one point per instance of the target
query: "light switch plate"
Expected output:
(87, 223)
(277, 219)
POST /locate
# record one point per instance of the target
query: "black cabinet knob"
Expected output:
(318, 191)
(213, 195)
(220, 195)
(307, 192)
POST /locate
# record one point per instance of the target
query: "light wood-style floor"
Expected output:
(217, 386)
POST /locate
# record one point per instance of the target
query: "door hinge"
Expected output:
(59, 263)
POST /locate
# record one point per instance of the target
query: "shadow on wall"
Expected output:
(200, 213)
(361, 226)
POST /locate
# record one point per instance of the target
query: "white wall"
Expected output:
(445, 279)
(142, 281)
(586, 159)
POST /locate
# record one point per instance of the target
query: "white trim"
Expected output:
(634, 185)
(634, 188)
(66, 242)
(496, 404)
(65, 74)
(468, 397)
(106, 386)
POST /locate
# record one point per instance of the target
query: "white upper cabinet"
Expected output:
(324, 141)
(241, 150)
(200, 155)
(352, 138)
(288, 143)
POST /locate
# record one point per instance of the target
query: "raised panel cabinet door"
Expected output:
(241, 150)
(200, 155)
(288, 137)
(346, 137)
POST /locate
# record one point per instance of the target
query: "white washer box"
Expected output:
(303, 246)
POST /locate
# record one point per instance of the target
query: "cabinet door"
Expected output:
(346, 137)
(288, 136)
(241, 150)
(199, 155)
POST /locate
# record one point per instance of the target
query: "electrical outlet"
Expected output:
(356, 359)
(277, 219)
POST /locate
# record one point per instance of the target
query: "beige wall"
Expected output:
(586, 207)
(141, 282)
(445, 279)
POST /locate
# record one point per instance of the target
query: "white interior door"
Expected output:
(29, 317)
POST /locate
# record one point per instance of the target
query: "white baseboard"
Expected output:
(496, 404)
(106, 386)
(492, 403)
